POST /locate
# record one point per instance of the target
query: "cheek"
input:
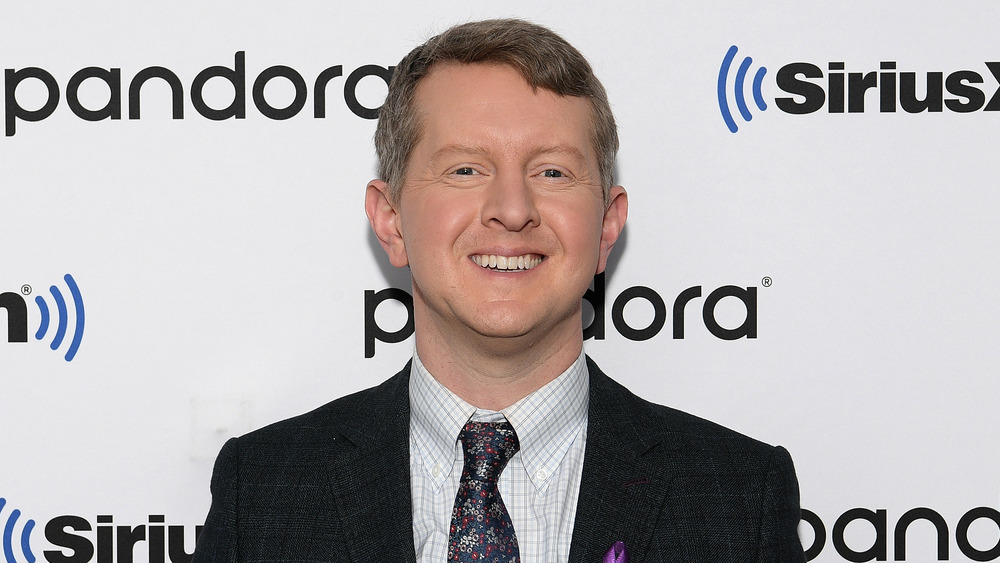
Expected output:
(432, 222)
(578, 226)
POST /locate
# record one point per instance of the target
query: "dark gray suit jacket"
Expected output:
(334, 485)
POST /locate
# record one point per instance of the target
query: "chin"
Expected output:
(492, 329)
(513, 326)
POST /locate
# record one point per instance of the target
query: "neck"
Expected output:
(494, 373)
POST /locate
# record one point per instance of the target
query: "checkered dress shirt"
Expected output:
(541, 483)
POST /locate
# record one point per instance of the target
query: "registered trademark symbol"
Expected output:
(766, 282)
(25, 289)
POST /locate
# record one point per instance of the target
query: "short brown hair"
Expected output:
(544, 59)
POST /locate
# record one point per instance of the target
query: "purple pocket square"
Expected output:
(617, 553)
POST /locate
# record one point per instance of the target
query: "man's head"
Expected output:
(541, 57)
(499, 201)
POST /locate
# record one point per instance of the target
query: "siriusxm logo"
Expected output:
(17, 317)
(842, 91)
(9, 535)
(78, 540)
(739, 88)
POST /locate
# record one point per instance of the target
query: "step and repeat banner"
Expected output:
(810, 258)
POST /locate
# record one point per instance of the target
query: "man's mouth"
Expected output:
(508, 263)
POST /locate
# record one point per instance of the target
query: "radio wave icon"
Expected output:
(62, 320)
(739, 89)
(8, 535)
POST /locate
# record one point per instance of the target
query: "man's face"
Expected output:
(501, 217)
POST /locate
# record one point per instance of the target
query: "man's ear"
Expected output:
(384, 218)
(614, 222)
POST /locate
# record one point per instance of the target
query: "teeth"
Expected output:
(507, 263)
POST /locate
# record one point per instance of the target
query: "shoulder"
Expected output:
(279, 480)
(352, 419)
(688, 440)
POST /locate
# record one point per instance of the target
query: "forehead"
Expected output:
(460, 102)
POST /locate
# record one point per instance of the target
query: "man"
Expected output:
(500, 441)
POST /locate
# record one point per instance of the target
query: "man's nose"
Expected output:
(510, 203)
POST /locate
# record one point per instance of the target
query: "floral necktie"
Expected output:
(481, 529)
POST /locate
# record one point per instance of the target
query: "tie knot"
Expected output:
(488, 446)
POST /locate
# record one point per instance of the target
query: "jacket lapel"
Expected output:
(621, 493)
(370, 477)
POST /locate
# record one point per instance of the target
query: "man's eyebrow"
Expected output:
(458, 148)
(569, 150)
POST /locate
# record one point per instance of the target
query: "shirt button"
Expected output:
(436, 472)
(541, 475)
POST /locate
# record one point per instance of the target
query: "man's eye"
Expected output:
(465, 171)
(550, 173)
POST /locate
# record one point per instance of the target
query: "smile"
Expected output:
(508, 263)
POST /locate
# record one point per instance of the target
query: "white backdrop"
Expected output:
(222, 265)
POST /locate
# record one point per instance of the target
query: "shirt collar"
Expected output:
(547, 421)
